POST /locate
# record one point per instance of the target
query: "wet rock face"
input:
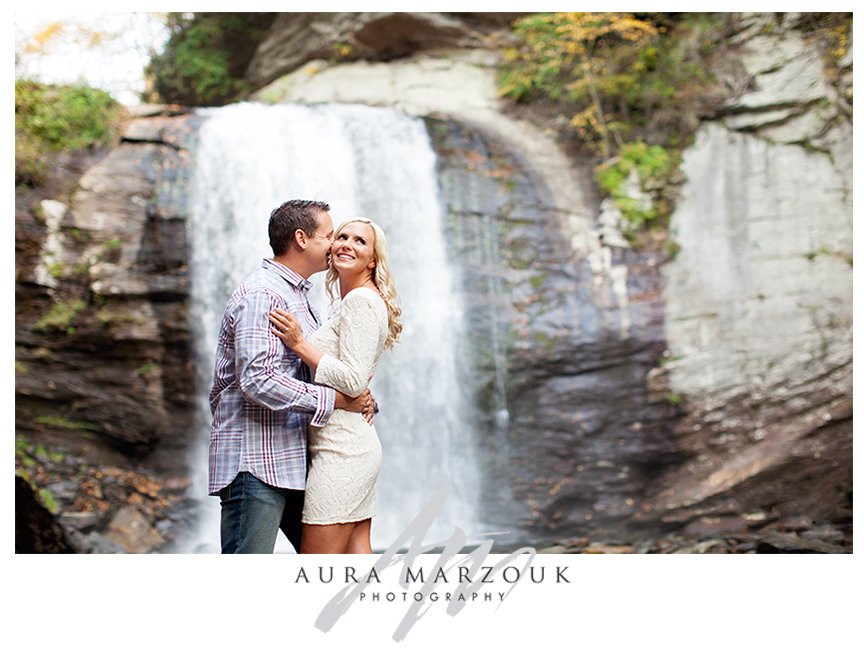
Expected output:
(101, 321)
(102, 333)
(759, 300)
(571, 435)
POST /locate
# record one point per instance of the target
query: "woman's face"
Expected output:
(354, 248)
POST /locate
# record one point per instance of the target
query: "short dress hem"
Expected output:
(340, 520)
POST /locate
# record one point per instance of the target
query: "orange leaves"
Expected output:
(146, 486)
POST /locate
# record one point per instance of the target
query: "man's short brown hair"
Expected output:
(293, 215)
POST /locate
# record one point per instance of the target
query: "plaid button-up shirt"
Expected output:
(262, 397)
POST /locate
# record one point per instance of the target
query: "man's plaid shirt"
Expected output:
(262, 397)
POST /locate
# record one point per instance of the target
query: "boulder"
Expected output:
(131, 530)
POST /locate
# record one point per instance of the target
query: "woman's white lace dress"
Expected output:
(345, 454)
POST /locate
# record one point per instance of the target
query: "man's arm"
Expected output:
(258, 359)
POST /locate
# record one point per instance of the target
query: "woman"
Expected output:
(345, 454)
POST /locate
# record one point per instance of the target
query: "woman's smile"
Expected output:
(353, 249)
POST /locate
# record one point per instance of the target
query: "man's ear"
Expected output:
(300, 239)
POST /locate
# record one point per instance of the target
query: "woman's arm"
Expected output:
(362, 329)
(287, 328)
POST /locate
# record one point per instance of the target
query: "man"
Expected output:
(262, 397)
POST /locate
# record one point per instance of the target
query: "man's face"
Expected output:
(320, 242)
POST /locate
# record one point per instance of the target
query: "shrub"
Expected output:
(654, 168)
(52, 119)
(630, 87)
(617, 77)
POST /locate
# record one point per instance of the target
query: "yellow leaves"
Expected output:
(512, 54)
(573, 47)
(579, 87)
(584, 119)
(615, 75)
(632, 29)
(59, 32)
(95, 39)
(581, 30)
(586, 122)
(840, 35)
(41, 39)
(342, 50)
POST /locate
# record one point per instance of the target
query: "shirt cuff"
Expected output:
(326, 400)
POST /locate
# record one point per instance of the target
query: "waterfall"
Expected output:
(364, 162)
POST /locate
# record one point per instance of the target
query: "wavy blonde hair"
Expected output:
(381, 276)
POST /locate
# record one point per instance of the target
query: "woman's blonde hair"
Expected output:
(381, 276)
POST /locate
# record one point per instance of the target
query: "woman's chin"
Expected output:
(341, 268)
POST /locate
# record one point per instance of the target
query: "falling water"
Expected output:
(367, 162)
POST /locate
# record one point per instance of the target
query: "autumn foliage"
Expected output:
(615, 76)
(629, 89)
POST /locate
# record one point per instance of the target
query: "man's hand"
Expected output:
(363, 404)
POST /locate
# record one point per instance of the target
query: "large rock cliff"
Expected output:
(759, 300)
(625, 392)
(103, 377)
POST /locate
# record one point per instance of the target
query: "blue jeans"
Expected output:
(254, 512)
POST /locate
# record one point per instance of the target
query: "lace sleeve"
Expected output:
(360, 329)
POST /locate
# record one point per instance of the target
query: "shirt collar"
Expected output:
(291, 276)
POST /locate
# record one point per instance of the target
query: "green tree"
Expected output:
(206, 56)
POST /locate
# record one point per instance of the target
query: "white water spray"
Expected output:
(365, 162)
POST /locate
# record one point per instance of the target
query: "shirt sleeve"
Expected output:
(260, 375)
(360, 337)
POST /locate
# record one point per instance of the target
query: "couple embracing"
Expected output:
(293, 445)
